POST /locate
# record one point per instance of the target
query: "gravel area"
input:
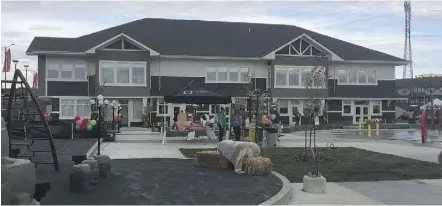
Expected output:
(165, 181)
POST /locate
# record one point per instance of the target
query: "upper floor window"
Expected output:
(293, 77)
(357, 76)
(120, 73)
(227, 75)
(299, 47)
(66, 72)
(122, 44)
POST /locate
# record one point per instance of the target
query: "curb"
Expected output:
(93, 149)
(284, 195)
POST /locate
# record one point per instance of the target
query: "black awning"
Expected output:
(192, 94)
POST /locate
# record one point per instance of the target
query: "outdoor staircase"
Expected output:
(28, 131)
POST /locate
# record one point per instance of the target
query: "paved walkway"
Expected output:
(143, 144)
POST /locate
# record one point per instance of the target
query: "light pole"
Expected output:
(15, 62)
(26, 70)
(100, 106)
(113, 105)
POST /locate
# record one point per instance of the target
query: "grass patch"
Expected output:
(345, 164)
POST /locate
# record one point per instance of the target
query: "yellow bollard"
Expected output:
(377, 129)
(369, 130)
(360, 126)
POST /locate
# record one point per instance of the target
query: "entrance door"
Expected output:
(124, 112)
(361, 111)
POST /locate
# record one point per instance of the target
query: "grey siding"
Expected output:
(334, 105)
(337, 118)
(123, 56)
(384, 89)
(293, 92)
(62, 88)
(234, 90)
(41, 75)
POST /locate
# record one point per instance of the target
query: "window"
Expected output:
(244, 75)
(284, 106)
(294, 77)
(222, 74)
(137, 109)
(66, 71)
(227, 75)
(233, 75)
(371, 76)
(346, 107)
(80, 71)
(73, 107)
(376, 107)
(122, 73)
(362, 77)
(163, 108)
(357, 76)
(280, 77)
(342, 76)
(353, 76)
(211, 74)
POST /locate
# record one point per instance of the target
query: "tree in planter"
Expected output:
(315, 82)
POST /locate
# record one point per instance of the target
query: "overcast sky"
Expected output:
(375, 24)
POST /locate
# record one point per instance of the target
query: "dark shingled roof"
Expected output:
(208, 38)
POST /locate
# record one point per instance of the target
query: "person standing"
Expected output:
(175, 119)
(237, 124)
(221, 121)
(209, 128)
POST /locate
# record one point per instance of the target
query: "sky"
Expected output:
(377, 25)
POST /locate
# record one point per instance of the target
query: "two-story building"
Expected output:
(145, 60)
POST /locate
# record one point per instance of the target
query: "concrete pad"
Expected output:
(117, 150)
(336, 195)
(314, 184)
(410, 192)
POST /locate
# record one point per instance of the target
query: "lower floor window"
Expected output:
(73, 107)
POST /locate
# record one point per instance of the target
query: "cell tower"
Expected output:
(408, 68)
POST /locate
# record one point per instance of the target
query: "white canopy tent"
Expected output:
(436, 102)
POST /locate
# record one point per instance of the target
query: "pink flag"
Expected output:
(35, 81)
(7, 64)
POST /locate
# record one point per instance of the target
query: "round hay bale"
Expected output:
(257, 165)
(211, 159)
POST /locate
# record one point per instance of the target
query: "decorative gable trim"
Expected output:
(271, 55)
(121, 36)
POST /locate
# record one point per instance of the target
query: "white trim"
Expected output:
(238, 71)
(357, 98)
(54, 52)
(130, 64)
(370, 62)
(271, 54)
(92, 50)
(60, 99)
(209, 57)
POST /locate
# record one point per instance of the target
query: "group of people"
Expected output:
(237, 123)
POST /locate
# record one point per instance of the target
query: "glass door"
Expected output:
(124, 112)
(361, 111)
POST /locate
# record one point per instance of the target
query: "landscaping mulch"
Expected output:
(345, 164)
(165, 182)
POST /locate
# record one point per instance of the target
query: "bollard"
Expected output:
(360, 126)
(369, 130)
(377, 129)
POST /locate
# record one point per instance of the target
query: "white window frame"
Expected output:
(238, 70)
(121, 39)
(348, 103)
(75, 107)
(372, 104)
(131, 65)
(287, 68)
(347, 71)
(59, 70)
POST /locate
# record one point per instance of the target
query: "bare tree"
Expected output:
(315, 82)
